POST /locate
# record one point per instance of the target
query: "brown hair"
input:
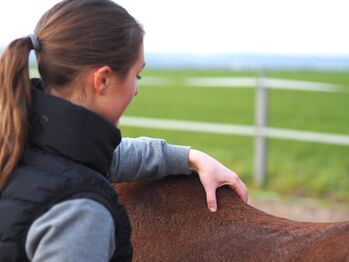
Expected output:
(74, 35)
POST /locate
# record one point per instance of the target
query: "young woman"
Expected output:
(59, 147)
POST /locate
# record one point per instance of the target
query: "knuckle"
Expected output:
(211, 200)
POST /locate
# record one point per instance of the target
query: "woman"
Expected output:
(59, 143)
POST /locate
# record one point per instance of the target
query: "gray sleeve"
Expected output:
(144, 157)
(74, 230)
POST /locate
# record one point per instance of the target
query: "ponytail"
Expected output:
(15, 98)
(74, 35)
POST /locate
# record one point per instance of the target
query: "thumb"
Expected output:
(211, 199)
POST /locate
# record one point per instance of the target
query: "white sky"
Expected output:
(206, 26)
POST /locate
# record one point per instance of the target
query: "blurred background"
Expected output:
(263, 86)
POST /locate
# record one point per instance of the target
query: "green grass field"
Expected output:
(294, 168)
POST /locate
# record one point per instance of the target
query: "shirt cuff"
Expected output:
(178, 162)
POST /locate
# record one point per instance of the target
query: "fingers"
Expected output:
(241, 189)
(211, 199)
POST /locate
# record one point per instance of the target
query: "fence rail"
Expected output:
(231, 129)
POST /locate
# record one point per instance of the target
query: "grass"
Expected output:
(313, 111)
(294, 168)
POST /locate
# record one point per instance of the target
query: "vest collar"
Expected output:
(60, 127)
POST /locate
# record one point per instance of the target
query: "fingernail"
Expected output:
(213, 209)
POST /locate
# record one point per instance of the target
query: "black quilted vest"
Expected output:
(68, 157)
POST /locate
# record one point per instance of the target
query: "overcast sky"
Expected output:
(205, 26)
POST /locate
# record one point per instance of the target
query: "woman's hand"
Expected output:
(214, 175)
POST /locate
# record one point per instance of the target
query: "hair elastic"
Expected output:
(35, 42)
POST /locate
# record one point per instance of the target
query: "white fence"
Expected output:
(260, 131)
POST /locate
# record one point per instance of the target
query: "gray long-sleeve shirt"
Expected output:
(72, 230)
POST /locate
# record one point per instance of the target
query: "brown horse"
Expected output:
(170, 222)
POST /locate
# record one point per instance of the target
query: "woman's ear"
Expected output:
(101, 79)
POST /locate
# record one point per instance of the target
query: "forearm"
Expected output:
(148, 158)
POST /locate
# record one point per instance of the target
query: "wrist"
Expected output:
(194, 159)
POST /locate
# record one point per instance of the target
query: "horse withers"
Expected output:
(170, 222)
